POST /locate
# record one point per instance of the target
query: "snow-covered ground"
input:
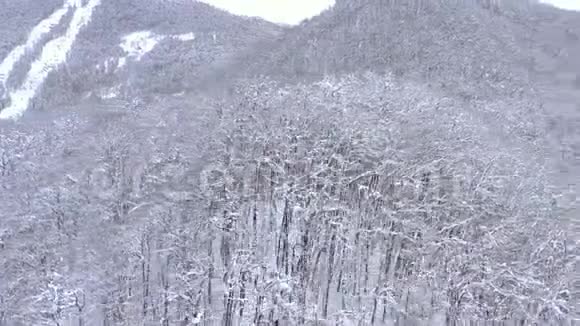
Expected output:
(185, 37)
(53, 54)
(138, 44)
(34, 38)
(111, 92)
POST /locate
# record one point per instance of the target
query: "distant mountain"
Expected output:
(466, 46)
(124, 48)
(18, 18)
(188, 37)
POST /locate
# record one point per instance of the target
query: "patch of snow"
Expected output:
(197, 318)
(110, 93)
(109, 64)
(185, 37)
(35, 36)
(54, 53)
(284, 287)
(297, 209)
(122, 62)
(137, 44)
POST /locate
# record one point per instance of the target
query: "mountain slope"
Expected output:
(383, 192)
(185, 38)
(19, 17)
(23, 25)
(54, 54)
(465, 49)
(170, 65)
(459, 44)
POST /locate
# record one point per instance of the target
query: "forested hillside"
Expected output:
(384, 163)
(464, 46)
(318, 202)
(168, 67)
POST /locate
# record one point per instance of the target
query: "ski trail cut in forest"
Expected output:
(54, 53)
(34, 38)
(137, 44)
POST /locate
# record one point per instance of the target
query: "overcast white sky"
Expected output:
(278, 11)
(565, 4)
(294, 11)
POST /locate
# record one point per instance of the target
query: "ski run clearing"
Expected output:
(138, 44)
(34, 38)
(54, 53)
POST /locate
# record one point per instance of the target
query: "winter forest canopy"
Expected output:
(388, 162)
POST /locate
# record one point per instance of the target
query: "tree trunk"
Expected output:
(283, 246)
(165, 281)
(329, 275)
(145, 271)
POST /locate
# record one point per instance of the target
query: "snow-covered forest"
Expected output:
(358, 180)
